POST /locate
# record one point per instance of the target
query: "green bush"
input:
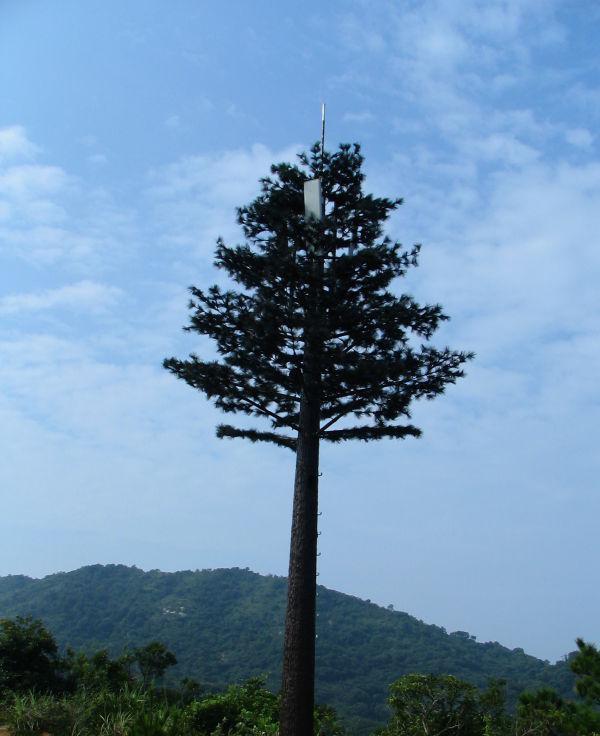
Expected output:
(160, 721)
(242, 710)
(30, 714)
(86, 713)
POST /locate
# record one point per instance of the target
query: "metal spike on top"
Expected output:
(322, 129)
(313, 196)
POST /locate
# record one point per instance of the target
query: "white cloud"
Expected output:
(502, 148)
(195, 198)
(14, 144)
(358, 117)
(98, 159)
(42, 245)
(579, 137)
(449, 64)
(87, 295)
(441, 47)
(29, 181)
(48, 216)
(525, 264)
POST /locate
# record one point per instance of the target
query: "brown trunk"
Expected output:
(297, 692)
(298, 676)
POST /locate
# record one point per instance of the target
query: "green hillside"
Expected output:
(227, 625)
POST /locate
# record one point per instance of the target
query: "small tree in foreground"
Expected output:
(153, 660)
(29, 657)
(316, 343)
(434, 704)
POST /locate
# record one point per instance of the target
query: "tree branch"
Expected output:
(226, 430)
(371, 433)
(334, 420)
(268, 412)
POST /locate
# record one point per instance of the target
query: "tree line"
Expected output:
(65, 694)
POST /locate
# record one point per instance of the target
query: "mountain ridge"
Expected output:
(226, 625)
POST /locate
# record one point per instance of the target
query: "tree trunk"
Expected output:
(298, 676)
(298, 683)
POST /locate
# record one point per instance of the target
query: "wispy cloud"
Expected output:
(98, 159)
(194, 199)
(14, 144)
(48, 215)
(447, 64)
(358, 117)
(87, 295)
(31, 182)
(580, 137)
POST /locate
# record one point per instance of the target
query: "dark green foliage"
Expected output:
(153, 661)
(31, 714)
(236, 710)
(361, 644)
(434, 704)
(97, 672)
(160, 720)
(369, 366)
(420, 705)
(241, 710)
(130, 712)
(28, 656)
(225, 626)
(586, 665)
(440, 704)
(327, 721)
(189, 690)
(492, 703)
(545, 713)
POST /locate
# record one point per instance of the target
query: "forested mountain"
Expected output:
(227, 625)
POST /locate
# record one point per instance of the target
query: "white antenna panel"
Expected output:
(313, 200)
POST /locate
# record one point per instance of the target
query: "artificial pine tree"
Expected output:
(316, 343)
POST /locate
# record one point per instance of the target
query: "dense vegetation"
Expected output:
(225, 626)
(76, 694)
(96, 695)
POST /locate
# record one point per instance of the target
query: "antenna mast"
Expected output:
(313, 195)
(322, 129)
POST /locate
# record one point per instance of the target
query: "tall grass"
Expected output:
(129, 712)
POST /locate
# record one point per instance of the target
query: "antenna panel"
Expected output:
(313, 200)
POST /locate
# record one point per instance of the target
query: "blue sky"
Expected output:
(129, 132)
